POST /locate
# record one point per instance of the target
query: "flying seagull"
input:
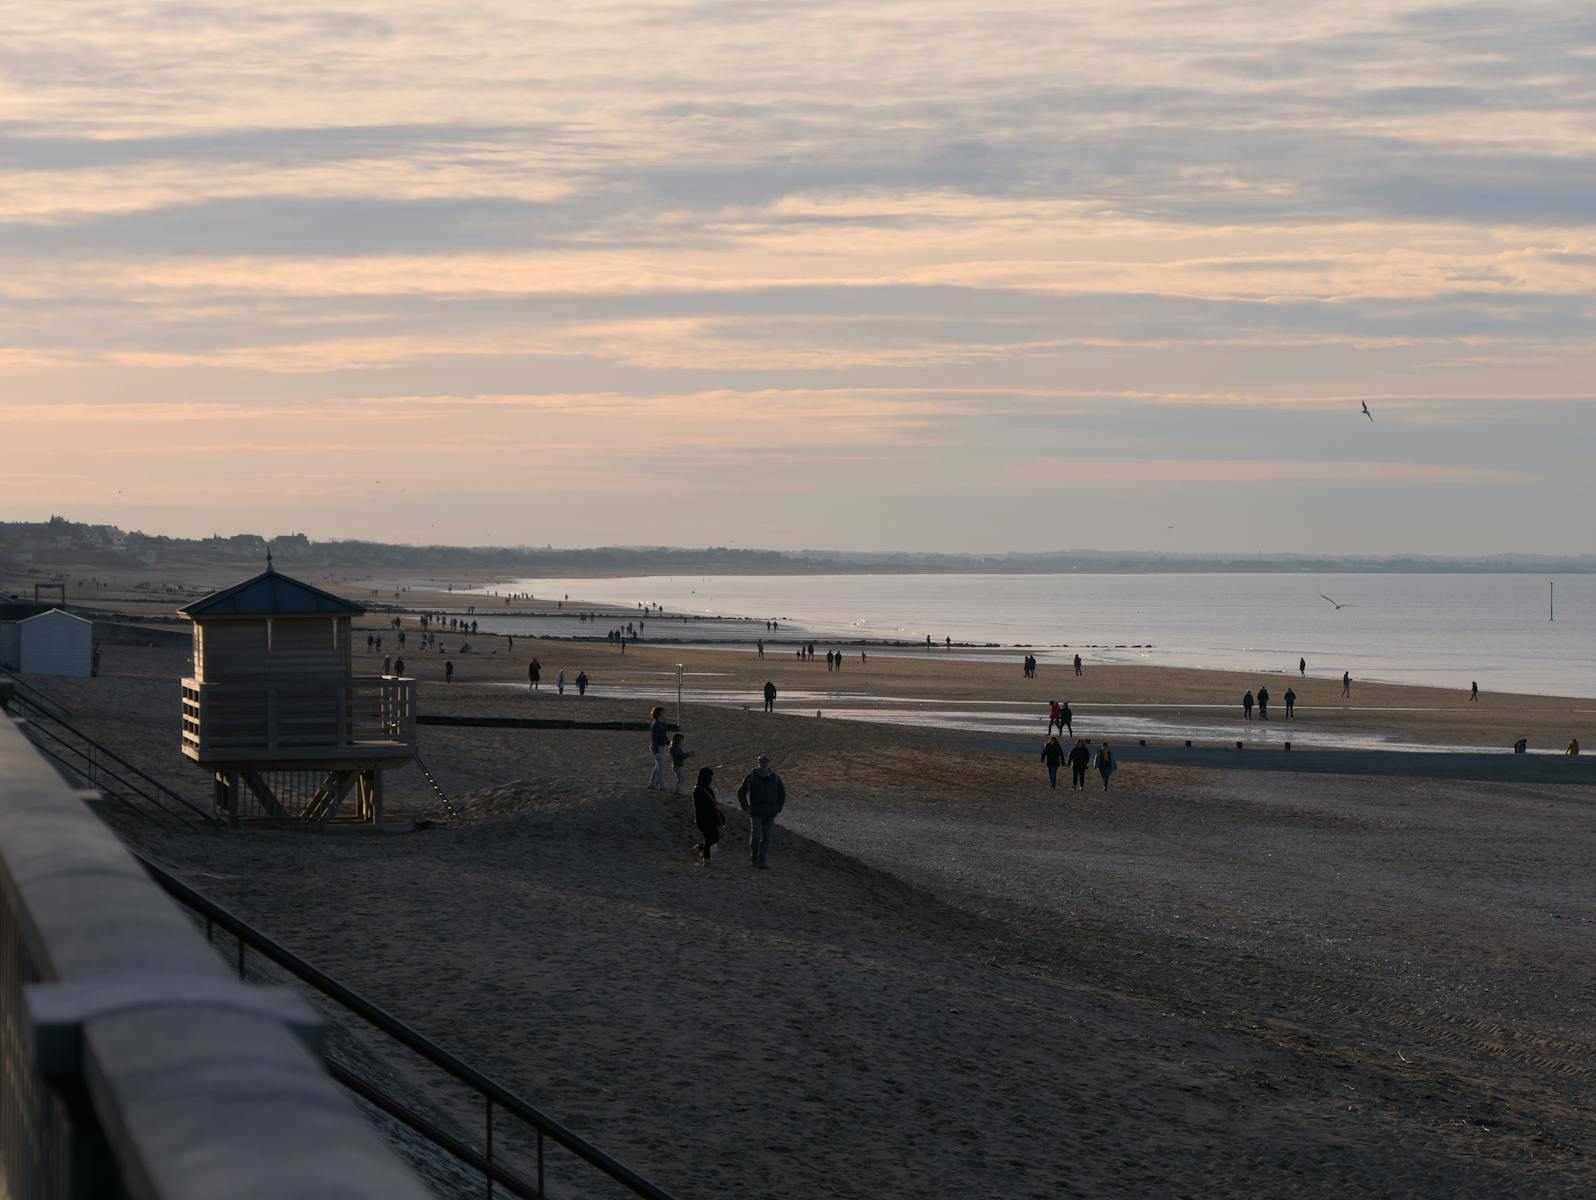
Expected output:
(1366, 411)
(1339, 607)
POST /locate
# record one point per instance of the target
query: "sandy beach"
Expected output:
(1209, 981)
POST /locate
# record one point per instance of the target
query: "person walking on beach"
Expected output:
(1302, 667)
(1474, 690)
(659, 740)
(448, 670)
(707, 816)
(1573, 748)
(1052, 717)
(1079, 759)
(1263, 704)
(1291, 705)
(1246, 706)
(760, 643)
(581, 683)
(1077, 664)
(559, 682)
(1106, 765)
(1066, 719)
(1053, 756)
(762, 796)
(399, 667)
(770, 696)
(1346, 683)
(533, 671)
(679, 757)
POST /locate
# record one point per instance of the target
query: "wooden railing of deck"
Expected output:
(347, 717)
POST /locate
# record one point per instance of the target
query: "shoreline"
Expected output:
(1408, 633)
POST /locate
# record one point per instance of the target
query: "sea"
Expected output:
(1510, 632)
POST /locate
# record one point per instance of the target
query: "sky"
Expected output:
(925, 276)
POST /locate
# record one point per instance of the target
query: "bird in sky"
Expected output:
(1339, 607)
(1366, 411)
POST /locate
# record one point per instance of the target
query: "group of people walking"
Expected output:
(534, 679)
(761, 795)
(1262, 702)
(1060, 715)
(1079, 759)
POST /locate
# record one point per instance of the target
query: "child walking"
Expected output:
(679, 759)
(707, 815)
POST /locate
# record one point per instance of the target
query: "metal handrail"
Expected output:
(101, 787)
(491, 1091)
(435, 1134)
(35, 695)
(37, 716)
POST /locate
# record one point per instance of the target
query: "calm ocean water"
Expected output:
(1433, 629)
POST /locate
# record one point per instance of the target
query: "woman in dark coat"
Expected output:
(707, 815)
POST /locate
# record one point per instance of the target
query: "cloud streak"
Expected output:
(899, 250)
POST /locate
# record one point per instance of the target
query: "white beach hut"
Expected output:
(56, 643)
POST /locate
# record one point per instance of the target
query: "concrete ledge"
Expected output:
(59, 1012)
(224, 1104)
(201, 1086)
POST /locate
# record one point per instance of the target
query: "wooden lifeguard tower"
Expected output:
(276, 712)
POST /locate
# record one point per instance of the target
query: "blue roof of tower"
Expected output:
(269, 595)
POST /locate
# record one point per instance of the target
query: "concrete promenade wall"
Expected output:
(132, 1062)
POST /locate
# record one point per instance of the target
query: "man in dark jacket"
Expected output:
(1079, 759)
(762, 796)
(1053, 756)
(770, 696)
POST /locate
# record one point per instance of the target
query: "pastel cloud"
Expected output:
(628, 244)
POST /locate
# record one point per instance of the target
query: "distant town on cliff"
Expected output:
(60, 544)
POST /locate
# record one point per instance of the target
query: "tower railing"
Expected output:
(362, 716)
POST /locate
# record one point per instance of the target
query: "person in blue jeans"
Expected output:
(762, 796)
(659, 739)
(1053, 756)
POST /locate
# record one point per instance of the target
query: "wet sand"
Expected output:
(955, 981)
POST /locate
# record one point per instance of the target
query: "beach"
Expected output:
(1223, 977)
